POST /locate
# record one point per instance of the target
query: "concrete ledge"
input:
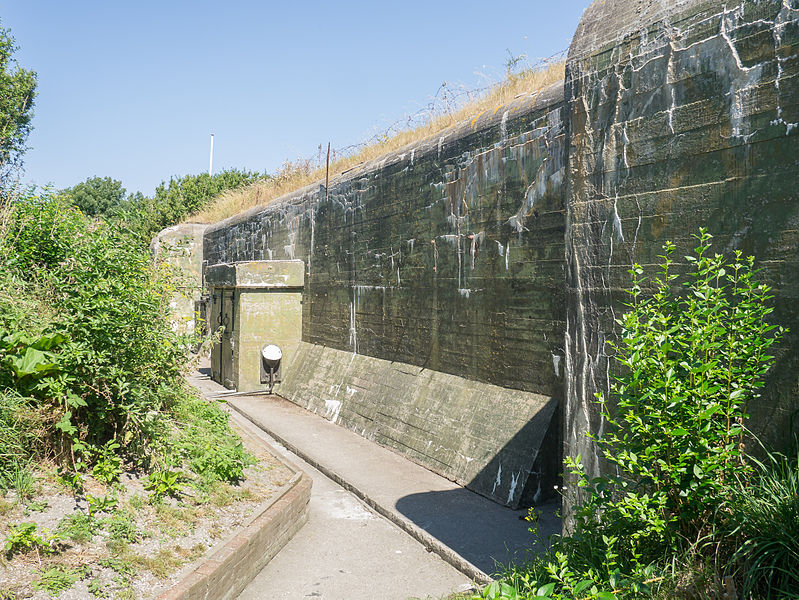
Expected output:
(226, 572)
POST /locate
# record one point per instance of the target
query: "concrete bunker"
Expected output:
(253, 304)
(459, 292)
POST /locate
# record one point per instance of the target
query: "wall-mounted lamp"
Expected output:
(270, 365)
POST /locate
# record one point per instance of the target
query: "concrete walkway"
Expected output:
(470, 532)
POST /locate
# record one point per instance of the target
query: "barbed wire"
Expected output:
(446, 101)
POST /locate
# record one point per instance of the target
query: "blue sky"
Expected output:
(133, 90)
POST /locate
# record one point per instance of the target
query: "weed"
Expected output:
(24, 537)
(121, 526)
(163, 483)
(108, 465)
(37, 506)
(137, 501)
(125, 570)
(78, 527)
(72, 479)
(105, 503)
(58, 578)
(764, 514)
(174, 521)
(119, 566)
(97, 589)
(5, 506)
(117, 547)
(225, 494)
(23, 482)
(168, 559)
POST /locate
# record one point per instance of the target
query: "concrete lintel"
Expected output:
(257, 274)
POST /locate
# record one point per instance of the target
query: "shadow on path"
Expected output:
(489, 538)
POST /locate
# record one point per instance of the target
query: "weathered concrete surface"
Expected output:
(413, 410)
(681, 114)
(447, 256)
(181, 247)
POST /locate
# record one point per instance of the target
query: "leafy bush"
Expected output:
(177, 199)
(691, 358)
(100, 362)
(96, 196)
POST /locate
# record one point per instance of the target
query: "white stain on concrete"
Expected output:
(514, 481)
(332, 410)
(342, 505)
(498, 480)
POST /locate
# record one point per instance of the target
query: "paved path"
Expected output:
(346, 551)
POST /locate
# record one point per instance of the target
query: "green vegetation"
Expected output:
(684, 510)
(78, 527)
(92, 381)
(92, 372)
(25, 537)
(173, 201)
(16, 107)
(58, 578)
(97, 196)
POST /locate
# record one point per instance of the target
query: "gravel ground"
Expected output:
(170, 534)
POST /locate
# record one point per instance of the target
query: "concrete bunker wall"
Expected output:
(433, 308)
(180, 247)
(459, 289)
(681, 114)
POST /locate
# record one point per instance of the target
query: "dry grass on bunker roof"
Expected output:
(298, 174)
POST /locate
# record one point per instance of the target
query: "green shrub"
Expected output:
(99, 364)
(690, 358)
(177, 199)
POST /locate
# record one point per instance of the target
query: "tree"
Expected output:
(183, 196)
(97, 196)
(17, 92)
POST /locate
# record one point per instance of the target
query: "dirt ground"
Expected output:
(131, 548)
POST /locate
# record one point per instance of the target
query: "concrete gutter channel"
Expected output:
(429, 542)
